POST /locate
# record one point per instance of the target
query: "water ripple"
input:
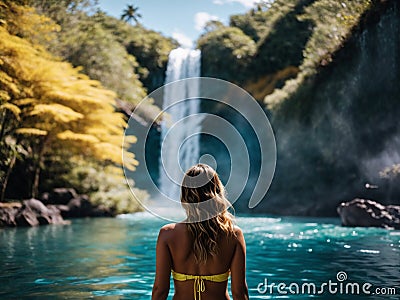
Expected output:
(116, 257)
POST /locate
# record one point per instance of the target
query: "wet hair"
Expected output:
(204, 199)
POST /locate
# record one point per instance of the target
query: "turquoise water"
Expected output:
(115, 258)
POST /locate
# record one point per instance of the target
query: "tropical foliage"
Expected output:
(332, 24)
(226, 51)
(50, 109)
(276, 46)
(324, 72)
(150, 48)
(131, 14)
(85, 42)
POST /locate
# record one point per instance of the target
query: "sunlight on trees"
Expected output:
(47, 105)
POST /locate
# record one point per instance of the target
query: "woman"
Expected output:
(206, 248)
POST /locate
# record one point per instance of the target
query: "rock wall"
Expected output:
(341, 129)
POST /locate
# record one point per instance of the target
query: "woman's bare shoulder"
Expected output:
(237, 230)
(168, 227)
(173, 226)
(238, 233)
(169, 230)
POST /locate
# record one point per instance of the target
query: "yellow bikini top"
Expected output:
(199, 285)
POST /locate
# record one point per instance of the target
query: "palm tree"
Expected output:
(131, 13)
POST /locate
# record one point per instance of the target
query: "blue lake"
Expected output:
(115, 258)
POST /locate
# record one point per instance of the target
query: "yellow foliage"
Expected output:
(31, 131)
(7, 83)
(12, 108)
(55, 112)
(24, 21)
(4, 96)
(265, 85)
(79, 137)
(52, 97)
(129, 161)
(25, 101)
(130, 139)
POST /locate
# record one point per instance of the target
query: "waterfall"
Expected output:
(179, 148)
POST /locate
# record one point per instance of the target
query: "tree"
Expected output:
(213, 25)
(47, 105)
(103, 58)
(233, 45)
(131, 13)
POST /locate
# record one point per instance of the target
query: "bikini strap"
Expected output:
(199, 285)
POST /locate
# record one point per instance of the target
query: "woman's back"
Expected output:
(174, 252)
(202, 252)
(180, 244)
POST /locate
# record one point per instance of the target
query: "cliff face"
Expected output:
(334, 108)
(339, 130)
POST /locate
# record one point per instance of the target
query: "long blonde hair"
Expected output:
(203, 198)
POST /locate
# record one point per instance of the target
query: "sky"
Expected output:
(180, 19)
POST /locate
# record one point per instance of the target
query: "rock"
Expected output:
(8, 212)
(72, 205)
(33, 213)
(57, 218)
(394, 210)
(103, 211)
(59, 196)
(369, 213)
(64, 209)
(80, 207)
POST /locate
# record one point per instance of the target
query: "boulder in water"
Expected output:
(81, 207)
(33, 213)
(369, 213)
(8, 212)
(59, 196)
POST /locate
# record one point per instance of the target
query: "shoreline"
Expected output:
(61, 210)
(56, 207)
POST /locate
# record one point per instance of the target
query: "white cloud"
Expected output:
(182, 39)
(245, 3)
(201, 18)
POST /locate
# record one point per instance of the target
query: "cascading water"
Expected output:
(180, 141)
